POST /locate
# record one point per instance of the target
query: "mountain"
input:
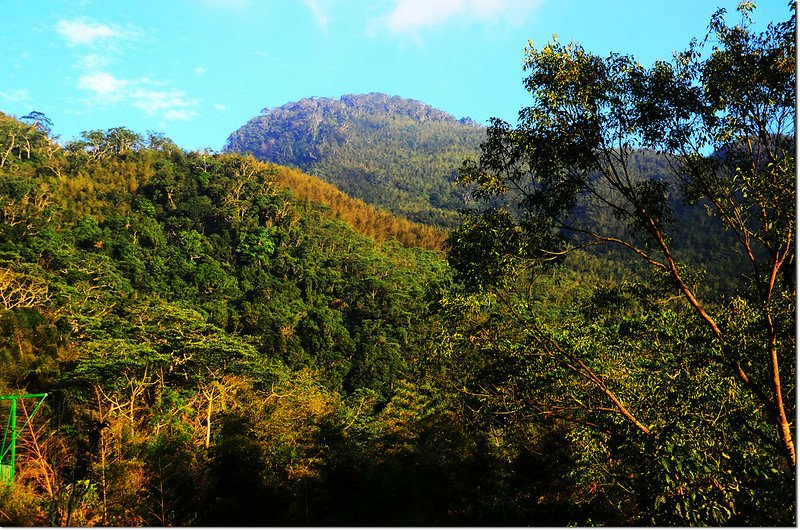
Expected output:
(403, 155)
(392, 152)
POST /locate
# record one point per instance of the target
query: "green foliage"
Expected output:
(697, 391)
(156, 293)
(227, 341)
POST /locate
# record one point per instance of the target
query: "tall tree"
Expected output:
(723, 121)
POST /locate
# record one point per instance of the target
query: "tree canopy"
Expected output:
(567, 179)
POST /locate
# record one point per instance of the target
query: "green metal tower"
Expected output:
(8, 451)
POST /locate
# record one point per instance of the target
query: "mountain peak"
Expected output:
(397, 153)
(372, 103)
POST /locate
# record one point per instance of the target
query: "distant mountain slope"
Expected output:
(396, 153)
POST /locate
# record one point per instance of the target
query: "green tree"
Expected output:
(566, 178)
(39, 121)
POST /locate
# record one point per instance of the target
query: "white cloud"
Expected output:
(151, 96)
(142, 81)
(103, 84)
(93, 61)
(172, 103)
(319, 12)
(79, 32)
(220, 106)
(411, 16)
(179, 115)
(15, 96)
(142, 93)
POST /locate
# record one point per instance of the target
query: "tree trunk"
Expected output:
(210, 397)
(783, 423)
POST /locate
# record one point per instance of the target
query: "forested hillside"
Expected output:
(172, 304)
(404, 155)
(395, 153)
(607, 337)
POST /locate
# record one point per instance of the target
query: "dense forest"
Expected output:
(391, 152)
(606, 336)
(403, 155)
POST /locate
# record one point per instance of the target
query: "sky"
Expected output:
(196, 70)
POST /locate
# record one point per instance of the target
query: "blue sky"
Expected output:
(198, 69)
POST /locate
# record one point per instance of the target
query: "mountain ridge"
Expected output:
(392, 152)
(354, 100)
